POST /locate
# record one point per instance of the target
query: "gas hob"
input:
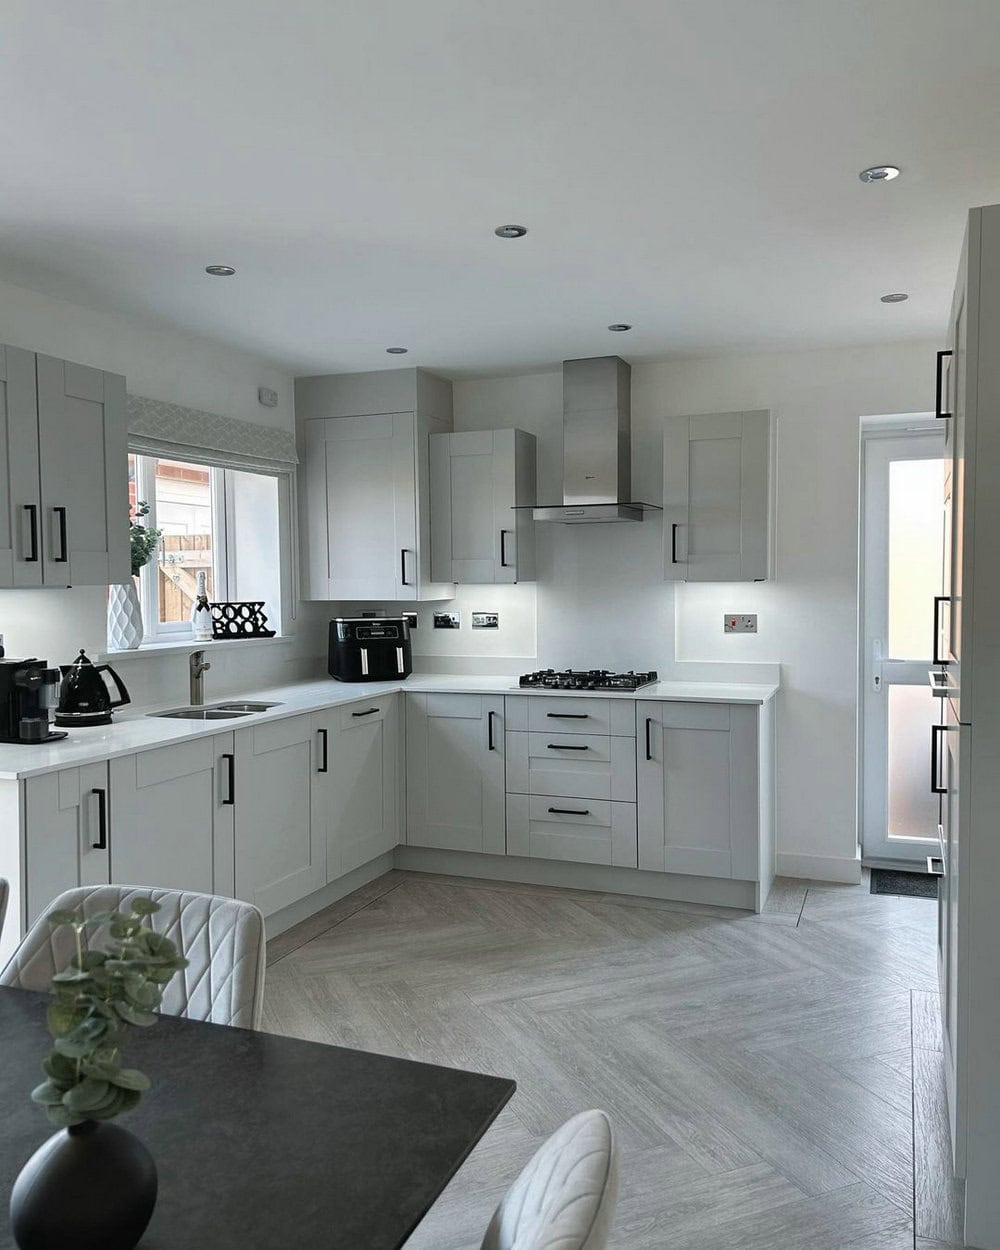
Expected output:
(585, 679)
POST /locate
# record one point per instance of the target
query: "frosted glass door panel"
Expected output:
(916, 488)
(913, 809)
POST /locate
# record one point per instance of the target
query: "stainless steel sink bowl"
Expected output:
(244, 707)
(199, 713)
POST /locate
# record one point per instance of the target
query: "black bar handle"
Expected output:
(503, 549)
(568, 715)
(649, 745)
(936, 786)
(230, 799)
(324, 736)
(102, 820)
(402, 567)
(570, 811)
(938, 658)
(564, 746)
(489, 730)
(673, 543)
(939, 386)
(63, 555)
(371, 711)
(32, 511)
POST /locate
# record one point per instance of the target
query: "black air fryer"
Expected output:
(365, 648)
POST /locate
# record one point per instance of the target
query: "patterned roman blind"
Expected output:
(158, 428)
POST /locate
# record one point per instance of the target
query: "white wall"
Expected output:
(601, 600)
(162, 363)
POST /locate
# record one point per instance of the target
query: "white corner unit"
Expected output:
(482, 486)
(717, 490)
(63, 473)
(365, 478)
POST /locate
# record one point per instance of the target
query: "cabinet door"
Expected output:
(697, 789)
(455, 772)
(172, 816)
(716, 492)
(360, 749)
(361, 507)
(66, 823)
(84, 474)
(280, 848)
(20, 540)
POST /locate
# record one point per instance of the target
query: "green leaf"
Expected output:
(134, 1015)
(71, 976)
(144, 907)
(93, 960)
(90, 1093)
(59, 1068)
(143, 995)
(72, 1049)
(101, 1069)
(49, 1094)
(63, 1017)
(61, 1117)
(131, 1078)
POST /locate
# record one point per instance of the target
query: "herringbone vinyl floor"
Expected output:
(764, 1073)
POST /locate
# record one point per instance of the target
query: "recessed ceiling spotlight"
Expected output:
(397, 351)
(894, 297)
(879, 173)
(619, 327)
(220, 271)
(511, 232)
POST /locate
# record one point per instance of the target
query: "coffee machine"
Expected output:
(29, 690)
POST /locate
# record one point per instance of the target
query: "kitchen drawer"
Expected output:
(581, 832)
(551, 712)
(357, 714)
(588, 766)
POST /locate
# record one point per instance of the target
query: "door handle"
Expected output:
(876, 664)
(649, 745)
(938, 658)
(570, 811)
(230, 799)
(564, 746)
(503, 549)
(324, 742)
(371, 711)
(102, 820)
(673, 543)
(936, 786)
(402, 567)
(491, 743)
(939, 386)
(63, 555)
(32, 511)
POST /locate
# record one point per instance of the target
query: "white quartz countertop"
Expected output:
(134, 729)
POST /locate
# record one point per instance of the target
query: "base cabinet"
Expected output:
(578, 831)
(455, 772)
(698, 800)
(360, 803)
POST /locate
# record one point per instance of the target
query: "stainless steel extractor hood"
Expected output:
(597, 445)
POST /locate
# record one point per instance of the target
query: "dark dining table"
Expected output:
(266, 1141)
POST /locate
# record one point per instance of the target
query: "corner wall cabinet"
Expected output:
(479, 478)
(717, 497)
(63, 473)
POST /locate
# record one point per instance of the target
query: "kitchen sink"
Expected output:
(215, 711)
(244, 707)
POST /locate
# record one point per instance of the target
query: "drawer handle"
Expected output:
(568, 715)
(570, 811)
(564, 746)
(371, 711)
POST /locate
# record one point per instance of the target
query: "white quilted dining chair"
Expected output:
(564, 1199)
(221, 938)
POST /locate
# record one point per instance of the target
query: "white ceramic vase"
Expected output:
(124, 617)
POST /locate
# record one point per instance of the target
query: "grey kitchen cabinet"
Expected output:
(482, 487)
(280, 844)
(455, 772)
(66, 815)
(698, 789)
(64, 469)
(717, 492)
(365, 476)
(360, 762)
(581, 831)
(172, 816)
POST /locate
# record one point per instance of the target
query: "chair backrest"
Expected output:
(4, 895)
(221, 938)
(565, 1197)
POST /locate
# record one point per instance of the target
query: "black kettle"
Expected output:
(85, 698)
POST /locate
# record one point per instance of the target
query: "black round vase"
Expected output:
(89, 1187)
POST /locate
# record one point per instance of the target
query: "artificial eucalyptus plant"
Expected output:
(98, 997)
(143, 538)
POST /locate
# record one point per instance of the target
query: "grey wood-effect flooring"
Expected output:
(764, 1073)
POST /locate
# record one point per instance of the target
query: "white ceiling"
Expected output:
(689, 166)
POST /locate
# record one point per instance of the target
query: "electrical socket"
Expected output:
(740, 623)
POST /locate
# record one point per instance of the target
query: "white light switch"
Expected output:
(740, 623)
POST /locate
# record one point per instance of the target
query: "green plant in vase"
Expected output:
(143, 539)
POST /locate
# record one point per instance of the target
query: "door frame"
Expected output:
(894, 427)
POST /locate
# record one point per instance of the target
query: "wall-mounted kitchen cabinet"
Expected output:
(479, 481)
(717, 491)
(63, 473)
(365, 484)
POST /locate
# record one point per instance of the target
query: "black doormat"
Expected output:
(912, 884)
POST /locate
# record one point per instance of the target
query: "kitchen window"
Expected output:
(228, 523)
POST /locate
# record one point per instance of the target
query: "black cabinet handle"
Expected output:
(568, 715)
(402, 567)
(936, 786)
(102, 820)
(939, 386)
(673, 543)
(32, 511)
(503, 549)
(230, 799)
(564, 746)
(570, 811)
(63, 555)
(489, 731)
(324, 741)
(649, 746)
(371, 712)
(938, 658)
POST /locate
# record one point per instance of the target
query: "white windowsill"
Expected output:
(149, 649)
